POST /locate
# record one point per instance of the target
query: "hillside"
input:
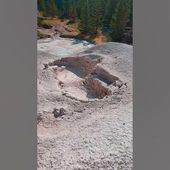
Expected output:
(84, 105)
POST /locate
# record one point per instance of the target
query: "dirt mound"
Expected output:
(85, 108)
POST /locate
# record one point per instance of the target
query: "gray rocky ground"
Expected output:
(84, 105)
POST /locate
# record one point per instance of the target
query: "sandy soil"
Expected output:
(94, 133)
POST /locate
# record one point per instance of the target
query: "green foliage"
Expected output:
(119, 20)
(65, 8)
(91, 18)
(84, 16)
(93, 15)
(96, 15)
(73, 11)
(51, 8)
(41, 6)
(109, 38)
(130, 7)
(40, 21)
(109, 10)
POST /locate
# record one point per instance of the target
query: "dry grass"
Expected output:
(99, 39)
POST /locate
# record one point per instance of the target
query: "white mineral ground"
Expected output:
(95, 133)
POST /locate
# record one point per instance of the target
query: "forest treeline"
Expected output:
(112, 16)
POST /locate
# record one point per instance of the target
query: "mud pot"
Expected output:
(82, 78)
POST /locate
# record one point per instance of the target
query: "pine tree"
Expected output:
(84, 16)
(42, 6)
(79, 8)
(109, 9)
(119, 20)
(73, 10)
(65, 8)
(96, 16)
(130, 7)
(51, 8)
(93, 15)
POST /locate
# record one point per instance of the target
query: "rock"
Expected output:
(64, 93)
(39, 117)
(45, 66)
(58, 113)
(63, 67)
(126, 85)
(62, 111)
(119, 83)
(42, 35)
(61, 83)
(78, 110)
(47, 26)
